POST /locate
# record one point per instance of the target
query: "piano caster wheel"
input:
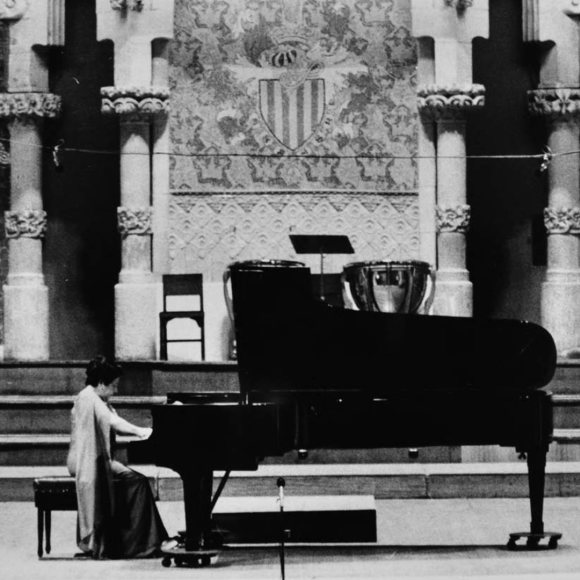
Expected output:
(534, 541)
(201, 562)
(166, 562)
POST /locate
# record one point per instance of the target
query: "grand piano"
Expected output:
(314, 376)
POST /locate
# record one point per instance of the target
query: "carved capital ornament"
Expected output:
(134, 221)
(134, 100)
(450, 102)
(562, 220)
(554, 102)
(453, 219)
(25, 224)
(31, 105)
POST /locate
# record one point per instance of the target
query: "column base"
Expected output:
(136, 321)
(26, 322)
(561, 310)
(453, 294)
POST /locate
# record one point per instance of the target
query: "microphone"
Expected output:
(280, 482)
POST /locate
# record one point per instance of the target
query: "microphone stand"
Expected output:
(281, 483)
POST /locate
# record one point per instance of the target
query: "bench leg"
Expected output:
(47, 522)
(40, 529)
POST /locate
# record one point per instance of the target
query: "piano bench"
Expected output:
(52, 493)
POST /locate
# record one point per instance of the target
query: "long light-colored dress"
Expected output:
(117, 515)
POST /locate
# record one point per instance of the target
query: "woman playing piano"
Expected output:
(117, 516)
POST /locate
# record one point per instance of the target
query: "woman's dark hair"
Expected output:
(101, 370)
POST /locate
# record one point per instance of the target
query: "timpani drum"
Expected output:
(252, 266)
(406, 286)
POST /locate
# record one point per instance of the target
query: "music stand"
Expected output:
(321, 244)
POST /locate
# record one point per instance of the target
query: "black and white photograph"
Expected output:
(290, 289)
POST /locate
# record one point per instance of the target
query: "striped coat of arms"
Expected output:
(292, 114)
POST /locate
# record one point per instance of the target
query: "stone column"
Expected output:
(25, 294)
(448, 108)
(561, 288)
(557, 99)
(445, 30)
(25, 104)
(136, 27)
(136, 292)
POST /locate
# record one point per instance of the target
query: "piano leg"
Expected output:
(536, 458)
(197, 549)
(536, 476)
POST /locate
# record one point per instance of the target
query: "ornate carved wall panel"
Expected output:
(275, 100)
(212, 230)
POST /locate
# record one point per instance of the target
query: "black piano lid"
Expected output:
(288, 341)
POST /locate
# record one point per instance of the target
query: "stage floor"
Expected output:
(417, 539)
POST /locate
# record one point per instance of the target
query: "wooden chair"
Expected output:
(184, 286)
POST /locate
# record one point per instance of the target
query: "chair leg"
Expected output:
(47, 521)
(40, 529)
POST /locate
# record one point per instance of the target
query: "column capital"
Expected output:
(135, 221)
(562, 220)
(554, 101)
(30, 223)
(450, 102)
(134, 100)
(453, 219)
(29, 105)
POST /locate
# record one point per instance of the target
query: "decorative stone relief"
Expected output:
(453, 218)
(450, 101)
(554, 102)
(134, 100)
(20, 105)
(209, 231)
(13, 9)
(293, 95)
(562, 220)
(134, 221)
(25, 224)
(127, 4)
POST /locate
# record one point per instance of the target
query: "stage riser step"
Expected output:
(567, 378)
(54, 454)
(146, 378)
(380, 485)
(47, 420)
(140, 378)
(51, 414)
(56, 420)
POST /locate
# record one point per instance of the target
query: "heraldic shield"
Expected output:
(292, 113)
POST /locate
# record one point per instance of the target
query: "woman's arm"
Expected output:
(123, 427)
